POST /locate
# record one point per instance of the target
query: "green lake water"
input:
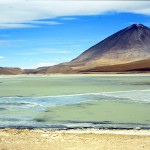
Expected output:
(75, 101)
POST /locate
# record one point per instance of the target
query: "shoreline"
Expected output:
(83, 126)
(108, 131)
(87, 139)
(75, 75)
(81, 131)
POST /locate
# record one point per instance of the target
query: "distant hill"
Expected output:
(10, 71)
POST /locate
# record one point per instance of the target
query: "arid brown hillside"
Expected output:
(143, 65)
(10, 71)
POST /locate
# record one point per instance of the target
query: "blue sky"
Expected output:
(34, 34)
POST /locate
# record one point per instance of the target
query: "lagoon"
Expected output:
(105, 101)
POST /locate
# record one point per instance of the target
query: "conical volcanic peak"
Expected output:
(129, 44)
(126, 50)
(136, 26)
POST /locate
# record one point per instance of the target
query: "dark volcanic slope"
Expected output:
(129, 44)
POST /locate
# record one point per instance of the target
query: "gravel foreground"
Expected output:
(13, 139)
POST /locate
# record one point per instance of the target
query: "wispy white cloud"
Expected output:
(17, 13)
(39, 22)
(2, 57)
(51, 62)
(58, 42)
(28, 53)
(68, 18)
(42, 62)
(37, 65)
(63, 45)
(11, 43)
(15, 25)
(39, 51)
(53, 51)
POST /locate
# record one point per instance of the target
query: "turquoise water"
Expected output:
(75, 101)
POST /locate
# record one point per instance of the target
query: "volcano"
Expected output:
(127, 46)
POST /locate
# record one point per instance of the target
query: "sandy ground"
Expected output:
(11, 139)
